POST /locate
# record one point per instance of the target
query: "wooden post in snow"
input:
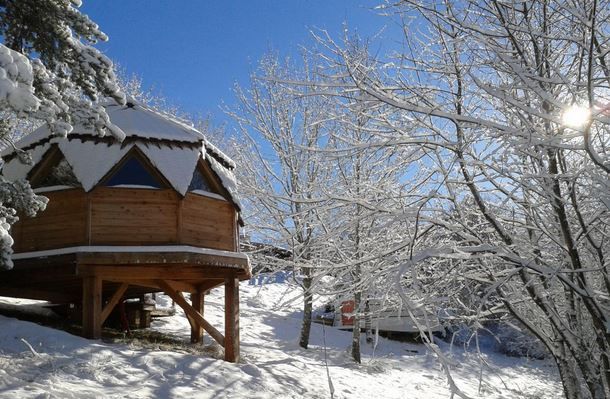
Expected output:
(196, 329)
(232, 319)
(92, 307)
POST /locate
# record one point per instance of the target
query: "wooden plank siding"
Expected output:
(128, 216)
(208, 222)
(62, 224)
(124, 216)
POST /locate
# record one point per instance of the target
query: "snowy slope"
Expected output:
(60, 365)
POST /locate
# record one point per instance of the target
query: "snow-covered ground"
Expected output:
(39, 362)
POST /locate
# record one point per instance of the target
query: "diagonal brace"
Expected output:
(177, 296)
(116, 297)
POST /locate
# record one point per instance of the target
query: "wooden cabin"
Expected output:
(157, 212)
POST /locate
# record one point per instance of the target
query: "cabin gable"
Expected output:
(134, 169)
(52, 171)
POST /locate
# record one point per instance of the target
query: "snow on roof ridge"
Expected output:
(216, 151)
(226, 176)
(127, 123)
(132, 102)
(184, 123)
(43, 133)
(27, 139)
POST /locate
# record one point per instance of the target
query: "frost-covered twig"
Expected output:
(32, 350)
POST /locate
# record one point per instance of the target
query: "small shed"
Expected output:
(157, 212)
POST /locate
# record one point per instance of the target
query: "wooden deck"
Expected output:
(99, 277)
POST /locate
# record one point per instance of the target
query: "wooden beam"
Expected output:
(209, 284)
(181, 286)
(37, 273)
(163, 258)
(153, 272)
(64, 263)
(92, 307)
(190, 311)
(44, 295)
(196, 330)
(232, 319)
(116, 297)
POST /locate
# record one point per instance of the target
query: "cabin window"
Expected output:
(199, 182)
(133, 173)
(59, 175)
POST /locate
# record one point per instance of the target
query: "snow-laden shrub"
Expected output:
(506, 337)
(514, 340)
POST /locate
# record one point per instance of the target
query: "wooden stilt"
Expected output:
(92, 307)
(232, 319)
(196, 329)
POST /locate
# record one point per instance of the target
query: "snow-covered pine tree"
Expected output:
(49, 72)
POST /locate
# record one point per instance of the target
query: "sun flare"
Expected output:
(576, 116)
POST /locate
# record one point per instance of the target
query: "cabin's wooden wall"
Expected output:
(62, 224)
(208, 222)
(126, 216)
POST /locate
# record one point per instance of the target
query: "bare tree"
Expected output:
(280, 176)
(365, 196)
(513, 194)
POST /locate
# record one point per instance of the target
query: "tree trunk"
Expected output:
(367, 322)
(568, 380)
(307, 311)
(356, 330)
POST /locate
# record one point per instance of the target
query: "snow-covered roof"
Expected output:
(135, 120)
(138, 120)
(171, 145)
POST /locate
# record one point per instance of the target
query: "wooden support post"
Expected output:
(232, 319)
(92, 307)
(196, 329)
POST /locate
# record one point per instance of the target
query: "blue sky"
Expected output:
(194, 51)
